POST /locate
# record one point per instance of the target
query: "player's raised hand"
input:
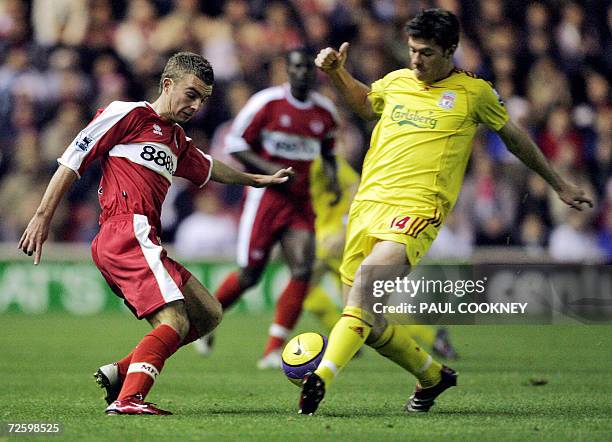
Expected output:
(280, 177)
(34, 236)
(574, 197)
(329, 59)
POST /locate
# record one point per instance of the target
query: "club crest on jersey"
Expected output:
(448, 100)
(157, 130)
(317, 127)
(84, 143)
(285, 120)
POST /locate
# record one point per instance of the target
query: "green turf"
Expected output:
(46, 365)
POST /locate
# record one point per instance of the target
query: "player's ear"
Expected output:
(167, 82)
(450, 51)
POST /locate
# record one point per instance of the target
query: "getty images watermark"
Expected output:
(479, 294)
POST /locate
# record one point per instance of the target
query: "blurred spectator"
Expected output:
(59, 22)
(533, 235)
(179, 30)
(455, 240)
(560, 142)
(134, 34)
(574, 240)
(207, 232)
(25, 173)
(490, 203)
(536, 200)
(59, 133)
(547, 87)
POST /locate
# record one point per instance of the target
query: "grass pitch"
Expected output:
(46, 366)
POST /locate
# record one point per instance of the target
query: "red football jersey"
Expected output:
(286, 131)
(140, 153)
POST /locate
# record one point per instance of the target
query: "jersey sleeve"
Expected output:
(246, 128)
(489, 108)
(193, 164)
(111, 126)
(376, 96)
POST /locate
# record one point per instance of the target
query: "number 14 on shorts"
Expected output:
(408, 225)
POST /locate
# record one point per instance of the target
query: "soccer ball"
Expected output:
(302, 354)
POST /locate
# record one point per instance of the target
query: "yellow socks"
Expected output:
(396, 344)
(347, 336)
(424, 334)
(319, 303)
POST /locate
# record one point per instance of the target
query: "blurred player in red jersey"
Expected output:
(141, 147)
(282, 126)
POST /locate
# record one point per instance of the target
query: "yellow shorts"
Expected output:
(370, 222)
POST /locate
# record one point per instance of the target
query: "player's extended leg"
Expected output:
(298, 249)
(359, 324)
(204, 313)
(170, 326)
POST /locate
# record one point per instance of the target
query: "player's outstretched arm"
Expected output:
(256, 163)
(36, 233)
(521, 145)
(222, 173)
(354, 92)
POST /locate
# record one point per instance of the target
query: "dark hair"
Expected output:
(183, 63)
(435, 24)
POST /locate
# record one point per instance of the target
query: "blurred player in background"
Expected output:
(141, 147)
(288, 125)
(427, 117)
(330, 227)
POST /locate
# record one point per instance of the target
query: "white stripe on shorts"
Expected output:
(251, 204)
(152, 253)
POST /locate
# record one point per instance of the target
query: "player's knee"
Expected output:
(215, 315)
(247, 278)
(302, 271)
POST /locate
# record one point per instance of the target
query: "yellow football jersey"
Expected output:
(422, 142)
(331, 219)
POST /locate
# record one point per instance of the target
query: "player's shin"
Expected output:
(345, 339)
(229, 291)
(288, 310)
(396, 344)
(148, 360)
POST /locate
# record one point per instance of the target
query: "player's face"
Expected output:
(301, 71)
(429, 61)
(186, 96)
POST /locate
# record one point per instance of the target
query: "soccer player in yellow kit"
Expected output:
(427, 117)
(330, 228)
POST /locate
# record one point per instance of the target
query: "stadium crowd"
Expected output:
(550, 60)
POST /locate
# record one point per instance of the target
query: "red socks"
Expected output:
(148, 359)
(288, 309)
(229, 291)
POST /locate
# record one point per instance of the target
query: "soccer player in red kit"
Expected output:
(141, 147)
(283, 126)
